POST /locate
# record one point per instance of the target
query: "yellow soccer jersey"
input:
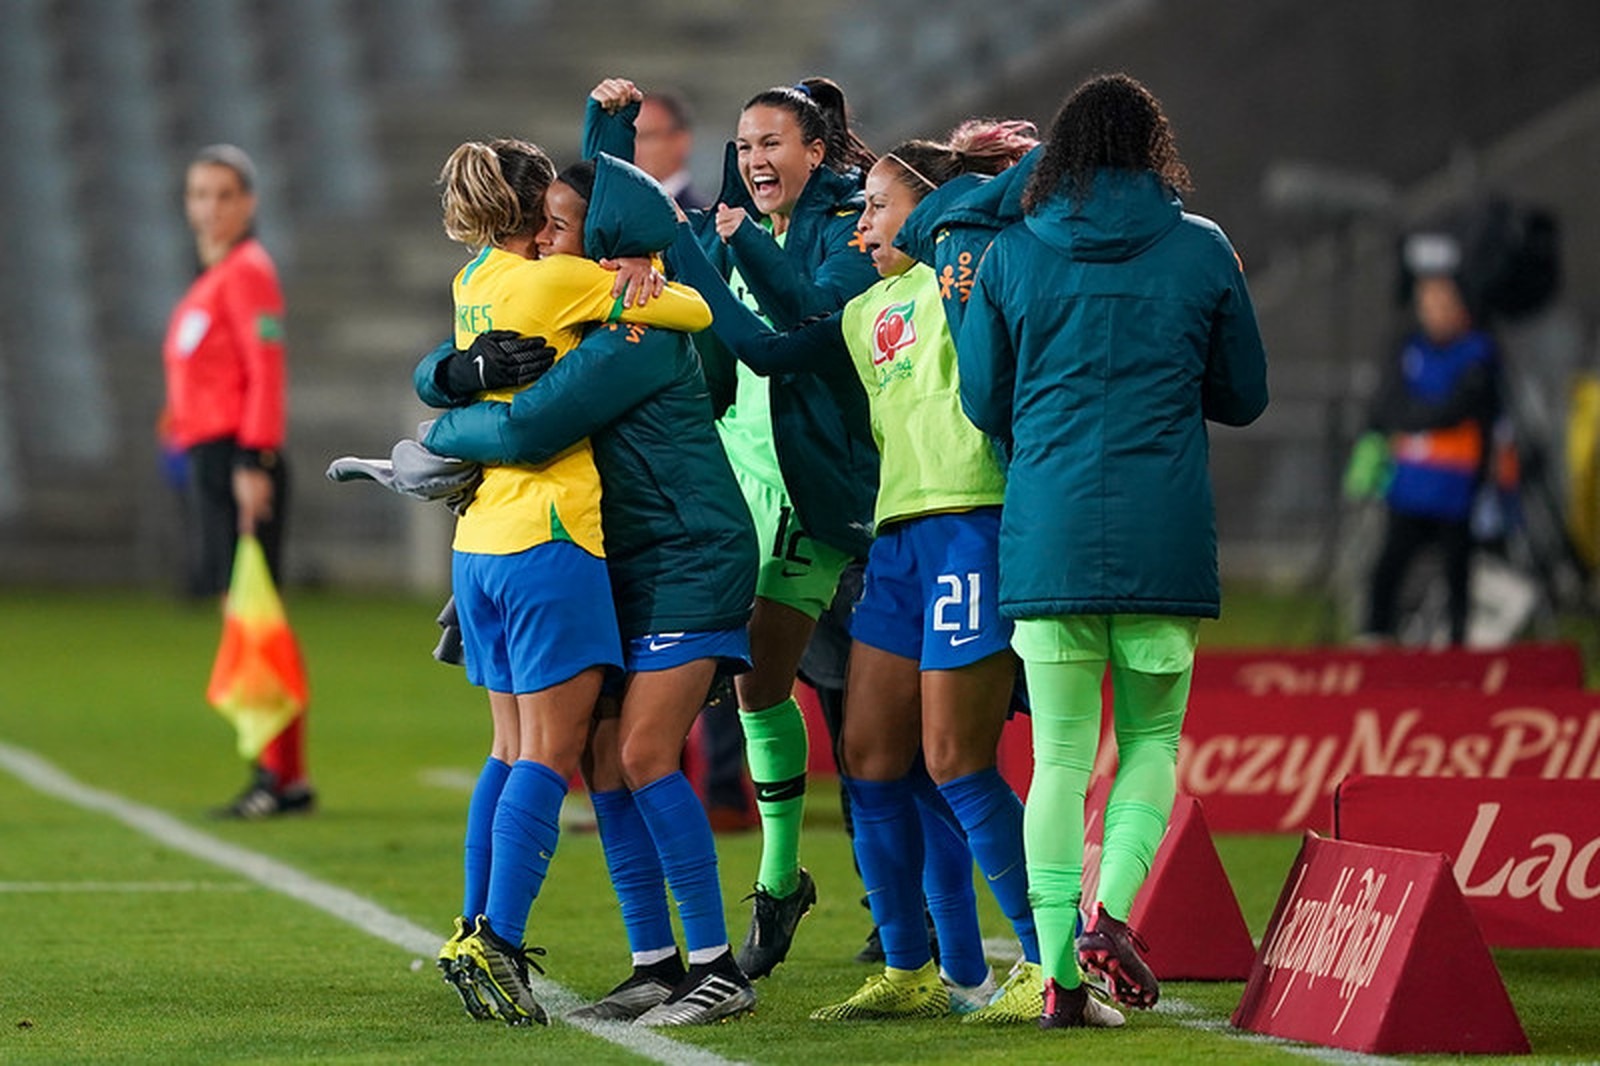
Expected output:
(517, 507)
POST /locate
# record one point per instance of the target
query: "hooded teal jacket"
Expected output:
(680, 547)
(830, 474)
(1100, 336)
(951, 228)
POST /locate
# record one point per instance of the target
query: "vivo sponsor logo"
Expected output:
(1551, 863)
(1335, 938)
(1304, 768)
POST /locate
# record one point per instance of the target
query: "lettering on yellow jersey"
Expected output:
(956, 278)
(475, 318)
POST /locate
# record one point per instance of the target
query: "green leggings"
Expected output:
(1148, 714)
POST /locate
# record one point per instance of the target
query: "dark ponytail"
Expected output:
(819, 109)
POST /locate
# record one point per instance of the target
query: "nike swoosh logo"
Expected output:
(1002, 873)
(956, 642)
(663, 645)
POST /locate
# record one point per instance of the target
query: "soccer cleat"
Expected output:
(772, 925)
(964, 999)
(1098, 1014)
(1016, 1001)
(1110, 950)
(893, 994)
(263, 798)
(499, 973)
(646, 987)
(459, 979)
(712, 991)
(1063, 1007)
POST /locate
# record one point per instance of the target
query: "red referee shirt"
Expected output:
(224, 355)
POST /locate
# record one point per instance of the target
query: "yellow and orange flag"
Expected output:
(258, 681)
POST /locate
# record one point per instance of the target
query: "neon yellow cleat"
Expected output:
(498, 970)
(893, 994)
(459, 978)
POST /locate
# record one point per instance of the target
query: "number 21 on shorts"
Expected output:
(959, 594)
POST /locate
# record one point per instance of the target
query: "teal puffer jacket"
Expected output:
(1100, 336)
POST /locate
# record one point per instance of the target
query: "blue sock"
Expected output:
(688, 854)
(636, 874)
(527, 823)
(991, 815)
(947, 885)
(479, 845)
(888, 845)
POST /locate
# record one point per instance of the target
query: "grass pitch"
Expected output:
(121, 948)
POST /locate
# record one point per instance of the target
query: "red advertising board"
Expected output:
(1269, 764)
(1372, 949)
(1345, 671)
(1525, 853)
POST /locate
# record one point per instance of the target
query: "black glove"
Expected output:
(498, 359)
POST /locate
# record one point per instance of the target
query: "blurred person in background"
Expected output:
(1101, 334)
(226, 411)
(1429, 447)
(663, 143)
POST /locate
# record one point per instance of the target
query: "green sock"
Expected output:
(775, 745)
(1148, 711)
(1066, 725)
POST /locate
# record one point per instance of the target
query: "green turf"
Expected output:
(198, 965)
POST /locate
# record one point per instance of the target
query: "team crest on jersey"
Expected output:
(894, 329)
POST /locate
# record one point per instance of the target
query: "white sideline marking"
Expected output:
(1192, 1017)
(51, 888)
(348, 907)
(449, 778)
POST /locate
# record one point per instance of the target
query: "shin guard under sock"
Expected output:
(991, 816)
(775, 745)
(527, 824)
(636, 874)
(688, 854)
(888, 845)
(478, 849)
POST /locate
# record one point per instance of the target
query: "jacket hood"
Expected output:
(827, 190)
(630, 214)
(991, 203)
(1125, 213)
(920, 229)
